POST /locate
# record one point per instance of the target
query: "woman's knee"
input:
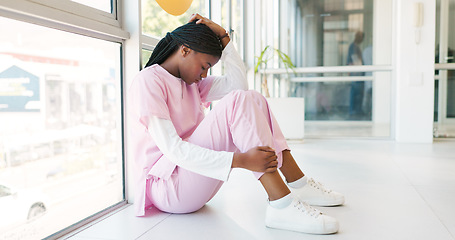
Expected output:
(239, 98)
(237, 93)
(257, 98)
(245, 94)
(256, 95)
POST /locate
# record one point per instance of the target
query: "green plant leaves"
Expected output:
(266, 55)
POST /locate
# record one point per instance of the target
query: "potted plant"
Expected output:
(289, 112)
(262, 60)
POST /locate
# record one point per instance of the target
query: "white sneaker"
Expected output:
(300, 217)
(314, 193)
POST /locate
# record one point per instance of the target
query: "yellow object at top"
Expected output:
(175, 7)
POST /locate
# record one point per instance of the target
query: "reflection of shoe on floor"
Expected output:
(300, 217)
(314, 193)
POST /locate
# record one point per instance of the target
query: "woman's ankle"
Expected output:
(289, 168)
(274, 185)
(281, 202)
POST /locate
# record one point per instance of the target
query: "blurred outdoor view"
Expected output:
(156, 22)
(60, 129)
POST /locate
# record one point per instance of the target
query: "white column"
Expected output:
(414, 72)
(383, 36)
(131, 64)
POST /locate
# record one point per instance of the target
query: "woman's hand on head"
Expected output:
(217, 29)
(258, 159)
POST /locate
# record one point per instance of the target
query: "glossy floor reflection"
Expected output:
(315, 129)
(392, 190)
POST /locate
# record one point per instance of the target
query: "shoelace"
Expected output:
(318, 185)
(304, 207)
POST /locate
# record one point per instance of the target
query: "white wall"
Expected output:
(414, 73)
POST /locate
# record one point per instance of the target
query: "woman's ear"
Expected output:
(185, 50)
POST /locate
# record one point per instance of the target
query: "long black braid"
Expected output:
(197, 37)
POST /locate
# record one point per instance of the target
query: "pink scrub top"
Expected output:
(156, 92)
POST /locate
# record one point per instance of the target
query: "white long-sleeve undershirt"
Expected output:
(234, 78)
(210, 163)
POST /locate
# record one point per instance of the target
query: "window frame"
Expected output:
(66, 16)
(83, 10)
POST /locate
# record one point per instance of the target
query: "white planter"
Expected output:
(290, 115)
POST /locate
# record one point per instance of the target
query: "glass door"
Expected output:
(444, 109)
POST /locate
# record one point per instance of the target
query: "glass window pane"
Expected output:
(444, 106)
(451, 94)
(225, 17)
(333, 33)
(450, 58)
(60, 129)
(330, 33)
(145, 56)
(103, 5)
(448, 51)
(333, 107)
(237, 25)
(156, 22)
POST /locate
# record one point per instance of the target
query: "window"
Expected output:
(444, 95)
(343, 63)
(145, 57)
(237, 25)
(60, 129)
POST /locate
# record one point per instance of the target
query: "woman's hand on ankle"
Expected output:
(258, 159)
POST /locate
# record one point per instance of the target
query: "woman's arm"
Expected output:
(235, 77)
(200, 160)
(210, 163)
(217, 29)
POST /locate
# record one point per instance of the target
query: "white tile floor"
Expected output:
(393, 191)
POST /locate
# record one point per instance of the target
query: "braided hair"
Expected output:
(197, 37)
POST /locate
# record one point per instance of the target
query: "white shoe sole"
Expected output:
(324, 203)
(331, 228)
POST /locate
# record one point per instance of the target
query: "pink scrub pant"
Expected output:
(240, 121)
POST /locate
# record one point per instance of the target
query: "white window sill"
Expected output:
(121, 224)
